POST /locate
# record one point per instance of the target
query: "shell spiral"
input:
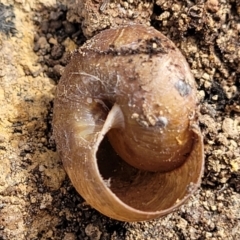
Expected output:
(132, 85)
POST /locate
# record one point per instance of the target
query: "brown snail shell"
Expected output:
(134, 85)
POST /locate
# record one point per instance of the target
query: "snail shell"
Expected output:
(133, 85)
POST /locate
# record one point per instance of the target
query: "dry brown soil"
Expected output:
(37, 200)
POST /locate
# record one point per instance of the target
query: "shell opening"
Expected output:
(143, 190)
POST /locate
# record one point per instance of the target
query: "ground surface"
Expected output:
(37, 200)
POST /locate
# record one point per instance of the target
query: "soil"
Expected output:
(37, 200)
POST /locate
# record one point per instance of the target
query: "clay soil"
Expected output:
(37, 200)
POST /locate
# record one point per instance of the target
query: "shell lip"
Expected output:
(142, 215)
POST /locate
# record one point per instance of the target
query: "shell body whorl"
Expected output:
(134, 85)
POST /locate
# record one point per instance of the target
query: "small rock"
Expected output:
(69, 236)
(230, 127)
(57, 51)
(69, 27)
(212, 6)
(42, 42)
(93, 232)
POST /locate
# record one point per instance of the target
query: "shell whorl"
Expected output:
(135, 86)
